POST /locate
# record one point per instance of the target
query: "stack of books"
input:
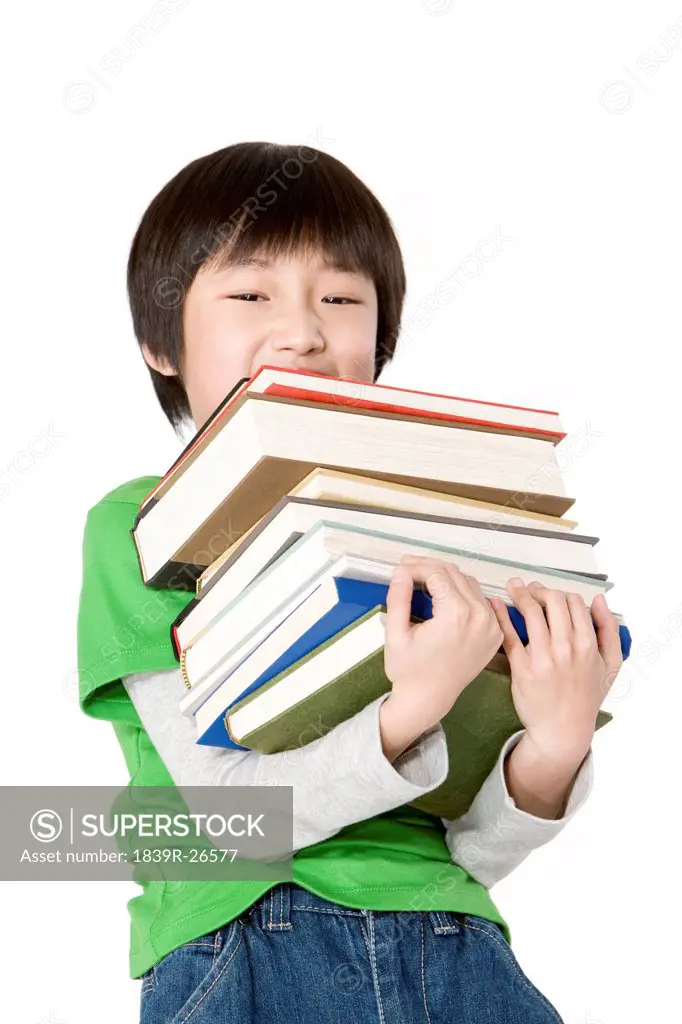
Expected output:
(288, 511)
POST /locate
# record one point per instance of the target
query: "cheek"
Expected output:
(220, 363)
(355, 355)
(217, 356)
(359, 364)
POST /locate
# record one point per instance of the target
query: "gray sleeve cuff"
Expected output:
(494, 836)
(420, 768)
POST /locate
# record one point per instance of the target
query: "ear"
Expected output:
(159, 364)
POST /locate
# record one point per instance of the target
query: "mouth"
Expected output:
(327, 372)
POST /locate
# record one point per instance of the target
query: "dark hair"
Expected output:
(248, 198)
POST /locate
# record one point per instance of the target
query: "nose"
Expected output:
(298, 331)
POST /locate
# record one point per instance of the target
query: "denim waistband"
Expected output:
(274, 910)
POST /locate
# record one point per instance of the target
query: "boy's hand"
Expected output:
(430, 663)
(561, 678)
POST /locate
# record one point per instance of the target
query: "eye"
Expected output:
(329, 299)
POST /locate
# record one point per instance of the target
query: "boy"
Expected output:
(265, 254)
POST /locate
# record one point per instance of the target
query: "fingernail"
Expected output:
(515, 582)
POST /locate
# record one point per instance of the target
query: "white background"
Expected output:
(553, 125)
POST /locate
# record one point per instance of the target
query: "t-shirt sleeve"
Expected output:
(123, 625)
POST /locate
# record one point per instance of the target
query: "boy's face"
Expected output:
(296, 313)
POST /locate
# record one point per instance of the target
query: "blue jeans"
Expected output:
(294, 956)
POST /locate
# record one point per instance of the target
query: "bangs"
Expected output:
(290, 204)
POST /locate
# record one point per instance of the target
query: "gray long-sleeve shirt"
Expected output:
(344, 777)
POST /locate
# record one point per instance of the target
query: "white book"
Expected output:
(306, 613)
(293, 516)
(270, 444)
(220, 639)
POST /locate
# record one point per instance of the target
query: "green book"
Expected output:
(341, 676)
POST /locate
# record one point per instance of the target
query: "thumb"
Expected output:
(399, 604)
(513, 645)
(608, 634)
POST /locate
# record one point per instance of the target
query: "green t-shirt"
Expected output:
(395, 861)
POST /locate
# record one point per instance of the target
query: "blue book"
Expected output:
(353, 599)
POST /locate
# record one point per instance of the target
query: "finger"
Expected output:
(443, 579)
(583, 626)
(513, 645)
(557, 615)
(608, 633)
(479, 596)
(399, 604)
(462, 582)
(448, 591)
(533, 614)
